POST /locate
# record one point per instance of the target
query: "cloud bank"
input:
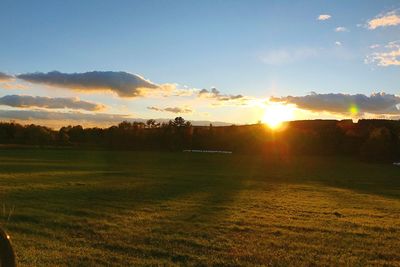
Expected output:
(388, 55)
(172, 109)
(5, 77)
(377, 103)
(124, 84)
(25, 101)
(391, 18)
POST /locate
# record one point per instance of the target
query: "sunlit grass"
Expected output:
(141, 208)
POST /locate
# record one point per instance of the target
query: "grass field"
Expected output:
(65, 207)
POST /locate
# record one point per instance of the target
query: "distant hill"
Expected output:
(194, 123)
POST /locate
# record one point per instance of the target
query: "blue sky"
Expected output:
(256, 49)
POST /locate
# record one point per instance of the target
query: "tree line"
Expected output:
(372, 140)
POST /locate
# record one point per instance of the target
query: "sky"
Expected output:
(97, 63)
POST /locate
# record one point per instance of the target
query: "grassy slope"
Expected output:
(120, 208)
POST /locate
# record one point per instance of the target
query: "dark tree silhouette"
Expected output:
(371, 140)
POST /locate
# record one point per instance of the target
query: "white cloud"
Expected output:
(13, 86)
(324, 17)
(388, 55)
(338, 43)
(391, 18)
(341, 29)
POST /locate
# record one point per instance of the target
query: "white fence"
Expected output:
(207, 151)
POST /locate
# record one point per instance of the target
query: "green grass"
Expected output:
(84, 208)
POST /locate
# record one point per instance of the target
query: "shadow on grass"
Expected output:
(118, 185)
(103, 185)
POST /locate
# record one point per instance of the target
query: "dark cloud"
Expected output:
(215, 94)
(377, 103)
(122, 83)
(5, 77)
(48, 102)
(172, 109)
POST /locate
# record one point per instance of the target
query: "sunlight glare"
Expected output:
(275, 114)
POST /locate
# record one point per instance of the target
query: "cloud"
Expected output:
(338, 43)
(172, 109)
(377, 103)
(324, 17)
(13, 86)
(5, 77)
(124, 84)
(374, 46)
(171, 89)
(341, 29)
(25, 101)
(215, 94)
(391, 18)
(285, 55)
(388, 55)
(58, 119)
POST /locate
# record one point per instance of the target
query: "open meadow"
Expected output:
(84, 208)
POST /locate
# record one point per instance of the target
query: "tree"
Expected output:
(152, 124)
(125, 125)
(379, 146)
(179, 122)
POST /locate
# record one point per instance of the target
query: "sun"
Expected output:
(275, 114)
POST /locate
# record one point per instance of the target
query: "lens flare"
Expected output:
(353, 109)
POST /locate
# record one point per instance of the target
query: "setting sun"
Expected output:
(275, 114)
